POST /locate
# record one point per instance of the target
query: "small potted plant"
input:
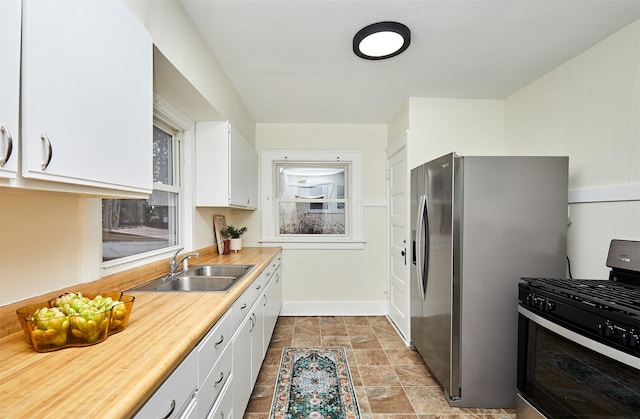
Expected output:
(234, 235)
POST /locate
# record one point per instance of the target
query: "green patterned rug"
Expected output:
(314, 383)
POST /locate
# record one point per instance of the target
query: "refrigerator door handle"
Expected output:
(422, 253)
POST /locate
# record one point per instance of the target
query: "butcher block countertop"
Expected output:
(114, 378)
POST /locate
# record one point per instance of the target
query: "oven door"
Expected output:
(563, 374)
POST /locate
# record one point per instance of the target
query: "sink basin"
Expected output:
(198, 283)
(200, 278)
(235, 271)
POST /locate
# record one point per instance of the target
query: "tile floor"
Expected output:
(390, 380)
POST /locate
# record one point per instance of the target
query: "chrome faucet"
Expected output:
(173, 265)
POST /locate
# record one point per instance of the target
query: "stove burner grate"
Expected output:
(606, 293)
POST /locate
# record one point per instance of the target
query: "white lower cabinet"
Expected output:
(216, 379)
(176, 397)
(272, 302)
(242, 385)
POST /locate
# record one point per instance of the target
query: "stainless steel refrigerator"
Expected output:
(479, 224)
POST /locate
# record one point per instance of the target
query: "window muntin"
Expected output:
(311, 199)
(133, 227)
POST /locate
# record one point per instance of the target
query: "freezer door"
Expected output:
(432, 331)
(417, 249)
(437, 306)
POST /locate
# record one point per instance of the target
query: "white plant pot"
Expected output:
(236, 244)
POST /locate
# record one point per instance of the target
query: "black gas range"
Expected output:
(604, 310)
(579, 342)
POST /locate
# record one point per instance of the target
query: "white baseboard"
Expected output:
(334, 308)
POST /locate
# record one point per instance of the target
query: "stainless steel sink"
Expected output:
(200, 278)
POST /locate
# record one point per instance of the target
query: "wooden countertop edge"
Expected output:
(127, 368)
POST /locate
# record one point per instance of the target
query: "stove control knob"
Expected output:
(606, 329)
(544, 304)
(630, 338)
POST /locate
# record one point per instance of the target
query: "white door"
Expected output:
(398, 195)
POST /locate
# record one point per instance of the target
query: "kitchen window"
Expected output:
(312, 199)
(136, 228)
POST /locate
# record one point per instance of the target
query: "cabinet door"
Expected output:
(272, 304)
(241, 372)
(9, 86)
(243, 166)
(87, 95)
(258, 349)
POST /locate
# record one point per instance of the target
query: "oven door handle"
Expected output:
(578, 339)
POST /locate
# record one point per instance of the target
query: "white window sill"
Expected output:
(302, 244)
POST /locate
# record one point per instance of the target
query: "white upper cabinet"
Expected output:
(9, 86)
(226, 167)
(87, 95)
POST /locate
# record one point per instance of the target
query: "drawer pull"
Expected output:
(220, 379)
(258, 287)
(220, 341)
(173, 407)
(268, 273)
(243, 306)
(4, 131)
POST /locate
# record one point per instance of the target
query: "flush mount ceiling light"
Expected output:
(381, 40)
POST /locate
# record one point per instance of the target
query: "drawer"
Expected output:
(224, 405)
(242, 307)
(215, 382)
(213, 344)
(174, 395)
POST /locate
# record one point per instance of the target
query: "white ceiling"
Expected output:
(291, 61)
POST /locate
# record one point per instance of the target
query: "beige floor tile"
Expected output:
(331, 321)
(283, 329)
(378, 376)
(370, 357)
(394, 416)
(333, 330)
(360, 330)
(279, 342)
(392, 342)
(272, 357)
(361, 320)
(303, 340)
(415, 376)
(268, 375)
(354, 371)
(403, 357)
(365, 342)
(363, 402)
(430, 400)
(343, 341)
(388, 400)
(307, 330)
(286, 320)
(261, 398)
(308, 321)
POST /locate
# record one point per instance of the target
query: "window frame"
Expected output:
(169, 119)
(353, 239)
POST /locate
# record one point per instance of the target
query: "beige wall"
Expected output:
(338, 281)
(40, 243)
(589, 110)
(442, 126)
(178, 40)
